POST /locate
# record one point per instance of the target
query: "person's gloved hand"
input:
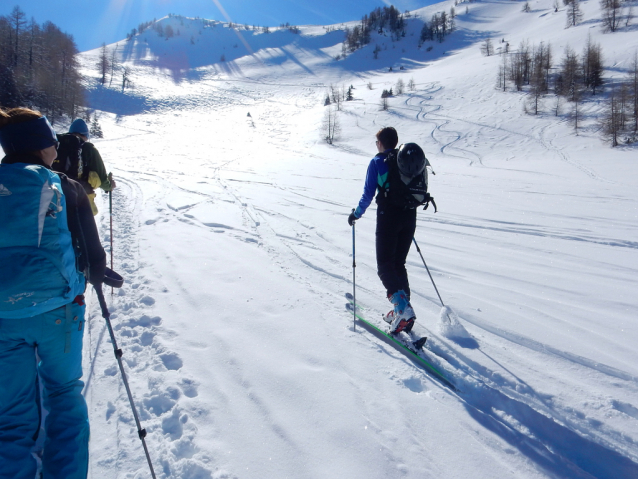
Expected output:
(95, 273)
(112, 181)
(352, 218)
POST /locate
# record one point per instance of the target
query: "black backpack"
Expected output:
(69, 160)
(396, 192)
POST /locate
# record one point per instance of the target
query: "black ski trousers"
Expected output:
(395, 230)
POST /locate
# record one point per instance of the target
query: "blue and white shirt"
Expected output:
(376, 176)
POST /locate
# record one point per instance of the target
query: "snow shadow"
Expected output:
(466, 343)
(203, 45)
(118, 102)
(552, 446)
(397, 54)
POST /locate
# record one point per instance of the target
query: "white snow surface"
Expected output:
(231, 233)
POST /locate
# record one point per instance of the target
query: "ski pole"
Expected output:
(118, 355)
(111, 218)
(431, 278)
(354, 283)
(428, 270)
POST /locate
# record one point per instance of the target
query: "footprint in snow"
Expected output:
(414, 384)
(171, 361)
(625, 408)
(173, 425)
(147, 300)
(189, 387)
(110, 409)
(144, 322)
(147, 338)
(162, 402)
(184, 448)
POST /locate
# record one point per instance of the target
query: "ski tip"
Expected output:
(349, 296)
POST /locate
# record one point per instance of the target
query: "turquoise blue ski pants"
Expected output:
(56, 336)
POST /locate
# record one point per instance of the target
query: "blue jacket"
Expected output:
(376, 176)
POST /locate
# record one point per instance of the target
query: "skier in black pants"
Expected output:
(395, 225)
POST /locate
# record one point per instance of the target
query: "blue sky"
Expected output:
(92, 22)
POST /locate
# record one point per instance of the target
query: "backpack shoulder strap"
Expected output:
(391, 163)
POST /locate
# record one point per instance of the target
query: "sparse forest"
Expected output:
(441, 25)
(381, 20)
(389, 21)
(569, 82)
(38, 66)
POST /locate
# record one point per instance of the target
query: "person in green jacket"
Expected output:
(94, 173)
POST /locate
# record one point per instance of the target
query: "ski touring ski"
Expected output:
(410, 348)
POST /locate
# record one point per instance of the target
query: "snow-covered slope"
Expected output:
(230, 228)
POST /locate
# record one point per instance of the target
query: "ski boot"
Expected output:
(402, 317)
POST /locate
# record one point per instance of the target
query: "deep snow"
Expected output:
(231, 233)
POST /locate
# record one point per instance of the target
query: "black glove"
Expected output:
(95, 272)
(352, 218)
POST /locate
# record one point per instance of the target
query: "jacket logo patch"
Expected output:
(4, 191)
(18, 297)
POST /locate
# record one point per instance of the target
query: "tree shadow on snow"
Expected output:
(221, 47)
(117, 101)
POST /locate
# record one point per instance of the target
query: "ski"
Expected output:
(417, 343)
(407, 347)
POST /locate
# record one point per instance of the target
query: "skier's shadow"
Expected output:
(555, 445)
(466, 343)
(552, 446)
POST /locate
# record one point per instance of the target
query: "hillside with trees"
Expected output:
(38, 66)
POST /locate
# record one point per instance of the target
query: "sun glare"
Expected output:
(229, 20)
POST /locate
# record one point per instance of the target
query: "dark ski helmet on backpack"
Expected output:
(410, 159)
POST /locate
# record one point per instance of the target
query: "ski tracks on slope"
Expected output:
(428, 113)
(549, 146)
(153, 368)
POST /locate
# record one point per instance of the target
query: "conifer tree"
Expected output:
(574, 14)
(96, 129)
(571, 76)
(592, 65)
(400, 86)
(612, 119)
(487, 48)
(17, 19)
(103, 63)
(331, 126)
(633, 82)
(611, 14)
